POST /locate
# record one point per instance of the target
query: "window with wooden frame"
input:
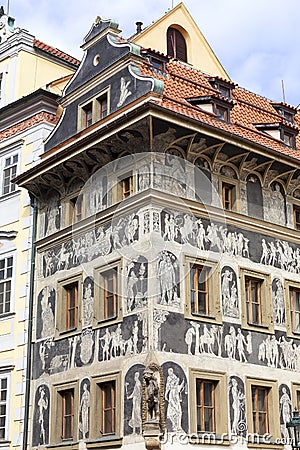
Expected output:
(76, 213)
(256, 301)
(202, 293)
(253, 288)
(296, 395)
(296, 212)
(206, 408)
(93, 110)
(208, 394)
(263, 413)
(64, 412)
(6, 275)
(222, 112)
(228, 196)
(107, 292)
(260, 409)
(126, 184)
(4, 403)
(176, 44)
(9, 172)
(69, 298)
(292, 292)
(106, 406)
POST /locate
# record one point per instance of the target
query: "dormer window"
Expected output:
(214, 105)
(221, 112)
(223, 86)
(286, 111)
(288, 138)
(93, 110)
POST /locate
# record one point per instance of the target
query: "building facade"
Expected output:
(166, 295)
(28, 112)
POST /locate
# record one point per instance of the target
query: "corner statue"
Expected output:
(152, 395)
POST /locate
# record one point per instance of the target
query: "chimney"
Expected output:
(138, 27)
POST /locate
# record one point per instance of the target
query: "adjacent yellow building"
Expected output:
(32, 75)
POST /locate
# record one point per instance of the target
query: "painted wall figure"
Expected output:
(285, 403)
(278, 302)
(84, 409)
(229, 292)
(133, 400)
(237, 401)
(41, 416)
(88, 302)
(168, 277)
(46, 306)
(137, 284)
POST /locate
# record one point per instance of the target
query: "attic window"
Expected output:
(223, 86)
(286, 111)
(221, 112)
(176, 45)
(158, 64)
(288, 138)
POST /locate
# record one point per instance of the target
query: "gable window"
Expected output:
(176, 45)
(102, 104)
(93, 110)
(88, 114)
(9, 172)
(6, 273)
(296, 217)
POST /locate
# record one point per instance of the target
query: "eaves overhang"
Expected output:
(147, 107)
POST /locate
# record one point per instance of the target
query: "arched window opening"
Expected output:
(176, 45)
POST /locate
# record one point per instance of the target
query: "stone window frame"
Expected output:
(70, 208)
(94, 101)
(96, 413)
(12, 279)
(289, 325)
(99, 319)
(6, 373)
(273, 410)
(221, 400)
(60, 323)
(213, 289)
(223, 181)
(267, 325)
(9, 152)
(56, 412)
(295, 395)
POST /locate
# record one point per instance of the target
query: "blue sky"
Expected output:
(257, 41)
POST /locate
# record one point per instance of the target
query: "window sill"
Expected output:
(110, 441)
(259, 328)
(4, 197)
(203, 318)
(5, 316)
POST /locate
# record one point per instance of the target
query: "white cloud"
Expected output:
(256, 41)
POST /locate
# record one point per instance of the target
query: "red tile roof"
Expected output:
(55, 52)
(182, 82)
(28, 123)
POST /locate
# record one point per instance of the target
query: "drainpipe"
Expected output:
(29, 333)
